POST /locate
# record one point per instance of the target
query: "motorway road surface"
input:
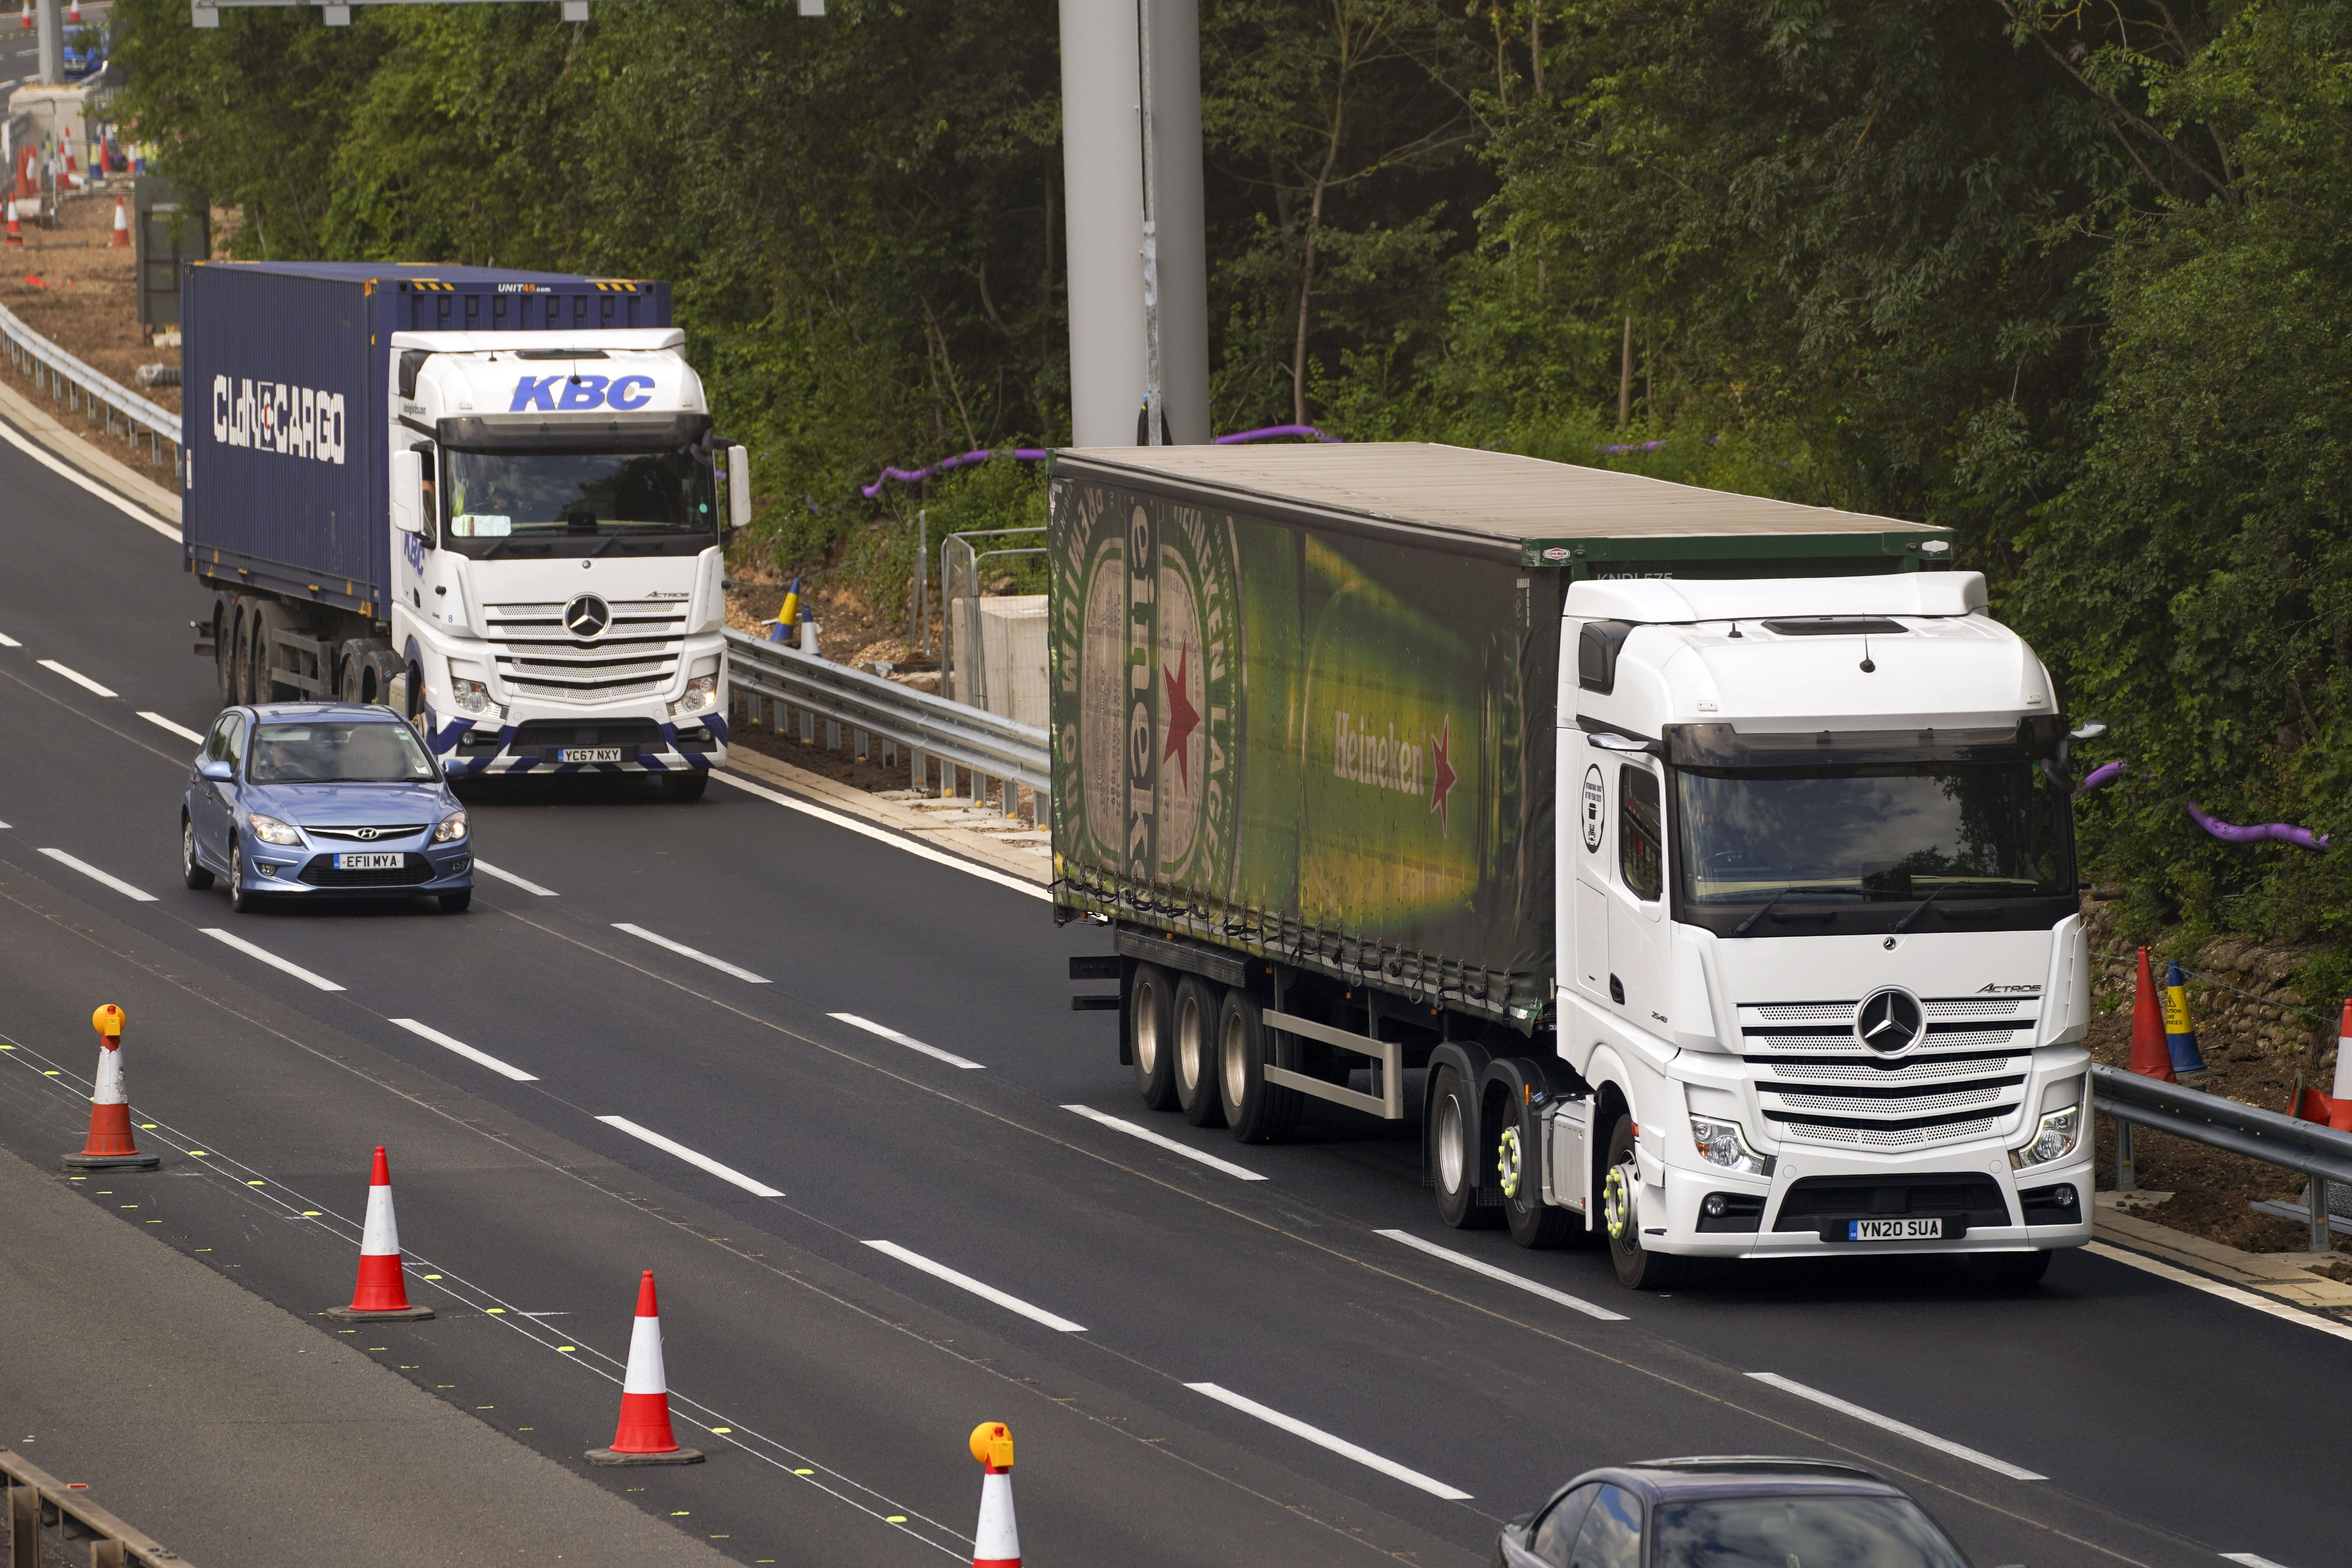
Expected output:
(872, 1247)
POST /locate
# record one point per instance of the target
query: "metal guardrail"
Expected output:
(926, 725)
(68, 381)
(2131, 1099)
(32, 1502)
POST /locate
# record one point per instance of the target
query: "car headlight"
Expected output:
(701, 696)
(2053, 1139)
(1722, 1143)
(450, 827)
(470, 696)
(269, 830)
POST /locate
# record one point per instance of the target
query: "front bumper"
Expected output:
(473, 748)
(1676, 1207)
(286, 870)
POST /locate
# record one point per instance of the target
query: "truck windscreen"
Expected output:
(1852, 849)
(577, 503)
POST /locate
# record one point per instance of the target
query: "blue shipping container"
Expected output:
(285, 405)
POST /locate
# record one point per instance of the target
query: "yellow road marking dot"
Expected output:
(379, 1347)
(106, 1192)
(431, 1277)
(804, 1472)
(256, 1184)
(565, 1349)
(146, 1127)
(203, 1250)
(896, 1519)
(198, 1154)
(411, 1367)
(486, 1407)
(526, 1428)
(7, 1047)
(681, 1513)
(346, 1330)
(51, 1073)
(128, 1206)
(310, 1213)
(154, 1221)
(444, 1385)
(494, 1310)
(721, 1431)
(77, 1178)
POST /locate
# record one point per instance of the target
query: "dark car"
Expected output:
(322, 800)
(1729, 1512)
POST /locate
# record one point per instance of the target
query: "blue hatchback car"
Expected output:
(322, 799)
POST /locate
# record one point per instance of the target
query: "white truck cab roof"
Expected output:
(549, 375)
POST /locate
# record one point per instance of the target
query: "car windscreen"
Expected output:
(339, 752)
(1799, 1532)
(543, 502)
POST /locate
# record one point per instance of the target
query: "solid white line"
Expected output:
(912, 1044)
(95, 875)
(180, 729)
(1173, 1147)
(2250, 1561)
(966, 1282)
(1340, 1445)
(271, 958)
(2014, 1472)
(464, 1050)
(680, 948)
(724, 1173)
(77, 678)
(8, 433)
(896, 841)
(1505, 1276)
(2215, 1287)
(484, 866)
(7, 641)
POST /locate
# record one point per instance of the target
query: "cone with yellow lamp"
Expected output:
(997, 1543)
(110, 1146)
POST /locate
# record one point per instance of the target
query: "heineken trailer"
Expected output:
(1696, 868)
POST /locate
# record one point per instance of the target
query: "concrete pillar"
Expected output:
(51, 44)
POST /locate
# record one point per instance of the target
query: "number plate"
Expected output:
(589, 755)
(1895, 1229)
(370, 862)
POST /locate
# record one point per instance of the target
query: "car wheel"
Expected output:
(240, 899)
(685, 786)
(192, 871)
(2006, 1270)
(1638, 1268)
(1257, 1111)
(1452, 1161)
(455, 903)
(1519, 1168)
(1196, 1050)
(1151, 1028)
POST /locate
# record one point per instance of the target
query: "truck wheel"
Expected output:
(1150, 1034)
(267, 619)
(351, 671)
(685, 786)
(1257, 1111)
(1638, 1268)
(1453, 1164)
(1518, 1167)
(1196, 1050)
(192, 871)
(2006, 1270)
(225, 650)
(240, 657)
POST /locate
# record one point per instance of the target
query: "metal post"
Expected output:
(921, 770)
(915, 596)
(833, 734)
(2126, 1180)
(51, 44)
(2320, 1239)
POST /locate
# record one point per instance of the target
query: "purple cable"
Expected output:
(2103, 775)
(2285, 832)
(1275, 433)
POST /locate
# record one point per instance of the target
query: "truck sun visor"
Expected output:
(1836, 627)
(1722, 746)
(605, 433)
(1596, 654)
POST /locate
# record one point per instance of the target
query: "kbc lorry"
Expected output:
(1695, 868)
(491, 500)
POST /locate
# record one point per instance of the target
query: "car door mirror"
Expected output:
(218, 769)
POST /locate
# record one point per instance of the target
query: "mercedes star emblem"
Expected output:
(587, 615)
(1890, 1021)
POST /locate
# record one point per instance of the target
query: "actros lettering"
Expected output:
(578, 394)
(271, 417)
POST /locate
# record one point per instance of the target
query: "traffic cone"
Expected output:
(643, 1436)
(15, 231)
(997, 1543)
(25, 17)
(383, 1290)
(73, 15)
(2149, 1058)
(110, 1146)
(2344, 1053)
(121, 240)
(2179, 1035)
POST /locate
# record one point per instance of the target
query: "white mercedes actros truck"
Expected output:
(1697, 870)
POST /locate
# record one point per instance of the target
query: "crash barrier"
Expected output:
(996, 1543)
(45, 1520)
(73, 385)
(788, 691)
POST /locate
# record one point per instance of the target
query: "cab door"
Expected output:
(211, 802)
(1582, 873)
(1637, 892)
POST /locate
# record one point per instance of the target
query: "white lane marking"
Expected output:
(180, 729)
(77, 678)
(58, 465)
(7, 641)
(895, 1038)
(989, 1292)
(271, 958)
(1339, 1445)
(699, 957)
(1173, 1147)
(724, 1173)
(1463, 1260)
(464, 1050)
(95, 875)
(484, 866)
(2250, 1561)
(896, 841)
(2215, 1287)
(1888, 1423)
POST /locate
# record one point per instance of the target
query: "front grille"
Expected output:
(1937, 1132)
(413, 870)
(367, 833)
(637, 654)
(1816, 1200)
(1982, 1094)
(1818, 1083)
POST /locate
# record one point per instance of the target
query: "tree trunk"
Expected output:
(1625, 379)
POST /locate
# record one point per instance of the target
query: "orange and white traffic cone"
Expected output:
(997, 1543)
(121, 240)
(25, 17)
(383, 1290)
(643, 1436)
(73, 15)
(2150, 1057)
(15, 231)
(2344, 1053)
(110, 1146)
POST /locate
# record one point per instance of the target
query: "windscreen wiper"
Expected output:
(1921, 907)
(1741, 929)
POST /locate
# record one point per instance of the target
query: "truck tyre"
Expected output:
(1452, 1159)
(267, 619)
(1518, 1167)
(225, 650)
(2006, 1270)
(377, 666)
(1150, 1033)
(192, 871)
(1638, 1268)
(685, 786)
(351, 671)
(1196, 1050)
(1257, 1111)
(240, 654)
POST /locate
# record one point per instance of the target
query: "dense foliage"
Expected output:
(2069, 278)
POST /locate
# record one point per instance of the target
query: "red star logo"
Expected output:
(1182, 716)
(1442, 774)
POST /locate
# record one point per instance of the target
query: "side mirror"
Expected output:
(218, 770)
(407, 481)
(1609, 741)
(738, 487)
(2090, 731)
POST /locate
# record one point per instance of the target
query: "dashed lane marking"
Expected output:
(424, 1031)
(95, 875)
(508, 876)
(269, 958)
(962, 1281)
(1476, 1266)
(77, 677)
(895, 1038)
(1163, 1141)
(7, 641)
(1339, 1445)
(180, 729)
(695, 953)
(724, 1173)
(1888, 1423)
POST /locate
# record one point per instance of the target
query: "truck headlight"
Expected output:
(701, 696)
(2054, 1138)
(470, 696)
(1723, 1143)
(452, 826)
(269, 830)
